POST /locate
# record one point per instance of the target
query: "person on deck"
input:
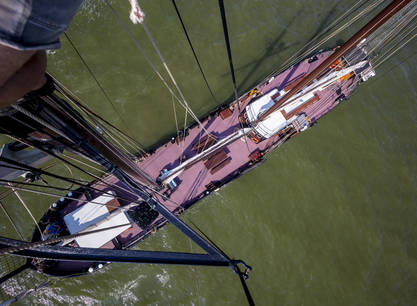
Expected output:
(27, 29)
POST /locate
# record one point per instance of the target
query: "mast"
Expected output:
(89, 138)
(368, 29)
(70, 124)
(118, 158)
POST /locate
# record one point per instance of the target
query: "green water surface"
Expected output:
(329, 219)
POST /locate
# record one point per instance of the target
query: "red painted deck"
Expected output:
(193, 181)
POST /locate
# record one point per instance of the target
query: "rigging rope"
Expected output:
(192, 49)
(139, 47)
(84, 163)
(183, 136)
(86, 172)
(31, 245)
(24, 167)
(394, 31)
(7, 193)
(391, 68)
(58, 196)
(242, 275)
(68, 114)
(398, 45)
(229, 51)
(297, 57)
(97, 82)
(69, 197)
(39, 120)
(19, 233)
(106, 132)
(232, 70)
(25, 206)
(99, 179)
(164, 63)
(175, 115)
(395, 51)
(366, 10)
(76, 101)
(20, 166)
(82, 183)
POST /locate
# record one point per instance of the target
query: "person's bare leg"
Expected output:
(29, 76)
(11, 60)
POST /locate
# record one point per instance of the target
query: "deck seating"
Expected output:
(226, 113)
(255, 155)
(204, 143)
(221, 165)
(215, 159)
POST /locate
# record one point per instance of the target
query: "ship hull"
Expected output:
(204, 177)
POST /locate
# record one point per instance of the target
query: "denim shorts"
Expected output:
(35, 24)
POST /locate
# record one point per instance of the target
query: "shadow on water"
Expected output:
(317, 35)
(277, 46)
(274, 48)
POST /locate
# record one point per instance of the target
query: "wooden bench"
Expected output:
(226, 113)
(215, 159)
(221, 165)
(204, 143)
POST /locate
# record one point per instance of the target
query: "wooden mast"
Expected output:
(368, 29)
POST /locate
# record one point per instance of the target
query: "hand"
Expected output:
(136, 14)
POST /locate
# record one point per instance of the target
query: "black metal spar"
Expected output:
(110, 255)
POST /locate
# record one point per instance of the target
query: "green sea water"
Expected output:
(329, 219)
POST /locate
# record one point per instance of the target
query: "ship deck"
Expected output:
(192, 184)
